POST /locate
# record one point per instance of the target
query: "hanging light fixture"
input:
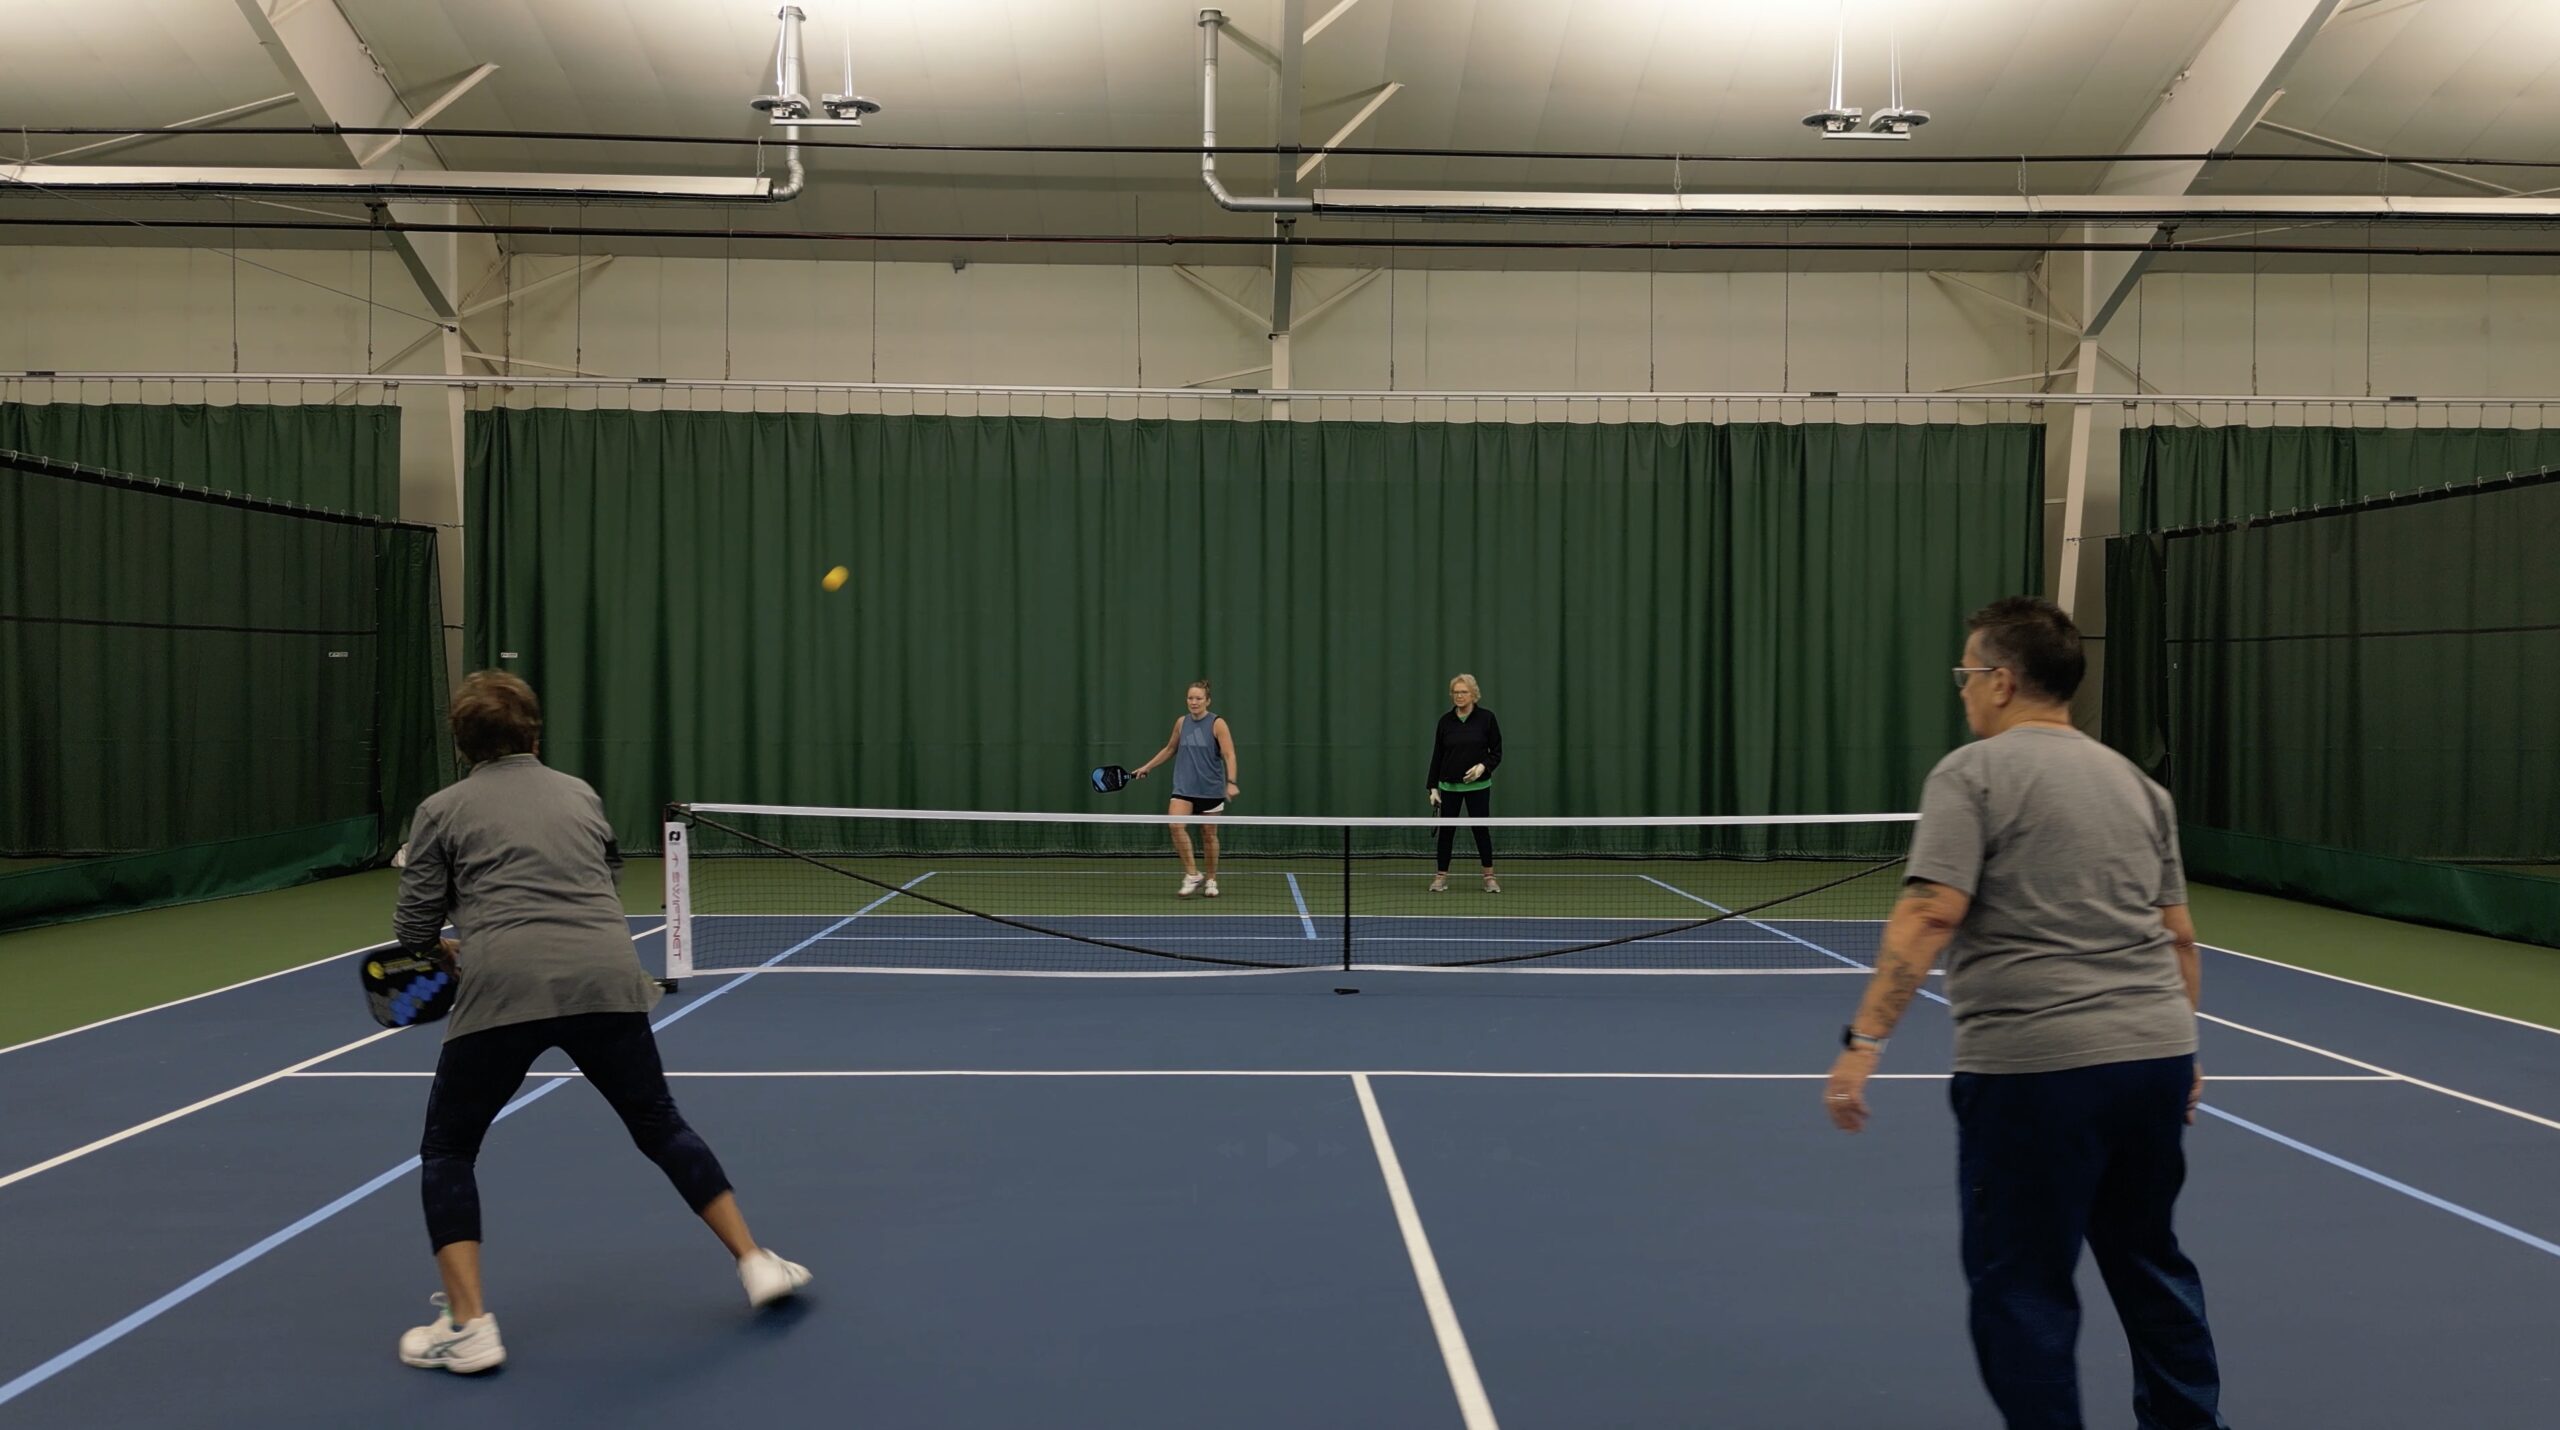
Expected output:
(1841, 119)
(788, 104)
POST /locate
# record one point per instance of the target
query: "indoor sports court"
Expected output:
(851, 594)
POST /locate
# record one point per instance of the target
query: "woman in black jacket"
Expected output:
(1464, 753)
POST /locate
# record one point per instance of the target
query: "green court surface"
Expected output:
(2519, 980)
(77, 973)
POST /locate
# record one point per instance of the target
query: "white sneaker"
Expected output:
(768, 1278)
(1190, 885)
(442, 1345)
(1210, 888)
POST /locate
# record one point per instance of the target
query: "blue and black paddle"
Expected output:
(1111, 779)
(404, 987)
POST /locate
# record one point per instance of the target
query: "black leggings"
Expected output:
(1476, 802)
(479, 1072)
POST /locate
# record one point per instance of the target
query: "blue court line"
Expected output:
(188, 1292)
(1308, 923)
(795, 948)
(2403, 1188)
(2305, 1148)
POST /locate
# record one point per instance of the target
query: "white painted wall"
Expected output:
(1411, 330)
(178, 309)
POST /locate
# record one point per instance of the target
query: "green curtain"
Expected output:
(337, 458)
(76, 889)
(1667, 620)
(2188, 476)
(2350, 706)
(180, 669)
(2381, 680)
(2134, 700)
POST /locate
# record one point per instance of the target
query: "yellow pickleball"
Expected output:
(834, 580)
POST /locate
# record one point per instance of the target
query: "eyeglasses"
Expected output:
(1963, 671)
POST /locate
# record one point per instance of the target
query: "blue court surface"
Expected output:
(1459, 1199)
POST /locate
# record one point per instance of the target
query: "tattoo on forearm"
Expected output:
(1897, 983)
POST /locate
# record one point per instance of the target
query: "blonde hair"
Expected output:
(1469, 681)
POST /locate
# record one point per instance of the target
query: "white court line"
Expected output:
(770, 964)
(164, 1119)
(1205, 972)
(938, 915)
(208, 1278)
(1551, 970)
(1791, 938)
(2378, 988)
(2378, 1068)
(1473, 1406)
(190, 998)
(208, 993)
(903, 938)
(1344, 1072)
(1507, 970)
(29, 1380)
(2391, 1073)
(252, 1085)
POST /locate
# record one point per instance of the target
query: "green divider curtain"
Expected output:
(336, 458)
(180, 670)
(2134, 701)
(2356, 703)
(2186, 476)
(2381, 679)
(1668, 620)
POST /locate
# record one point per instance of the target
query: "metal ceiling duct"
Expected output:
(2152, 209)
(398, 183)
(1210, 21)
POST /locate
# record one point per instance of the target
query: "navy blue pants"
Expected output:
(2047, 1161)
(479, 1072)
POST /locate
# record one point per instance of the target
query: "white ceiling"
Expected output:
(1724, 76)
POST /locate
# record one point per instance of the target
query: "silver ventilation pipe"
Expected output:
(1210, 21)
(789, 100)
(1846, 207)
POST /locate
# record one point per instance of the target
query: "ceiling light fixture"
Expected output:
(788, 104)
(1841, 119)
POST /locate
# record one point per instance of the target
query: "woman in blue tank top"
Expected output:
(1203, 752)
